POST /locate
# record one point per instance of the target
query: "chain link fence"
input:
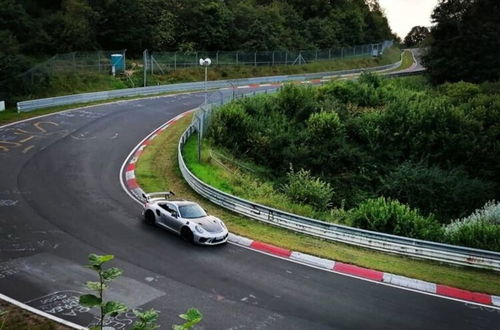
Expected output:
(171, 61)
(76, 62)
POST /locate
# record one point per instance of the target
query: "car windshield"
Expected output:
(191, 211)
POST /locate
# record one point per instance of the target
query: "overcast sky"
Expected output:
(405, 14)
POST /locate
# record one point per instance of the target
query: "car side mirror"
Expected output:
(174, 214)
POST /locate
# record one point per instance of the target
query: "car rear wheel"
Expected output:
(187, 234)
(149, 217)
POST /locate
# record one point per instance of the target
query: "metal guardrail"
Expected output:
(378, 241)
(26, 106)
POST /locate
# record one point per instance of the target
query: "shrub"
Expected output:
(392, 217)
(479, 230)
(297, 102)
(371, 79)
(446, 193)
(352, 92)
(303, 188)
(461, 91)
(231, 127)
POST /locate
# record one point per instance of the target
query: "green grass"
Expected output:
(16, 318)
(234, 179)
(406, 63)
(157, 170)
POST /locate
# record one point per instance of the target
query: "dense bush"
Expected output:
(303, 188)
(390, 216)
(435, 149)
(481, 229)
(230, 120)
(434, 190)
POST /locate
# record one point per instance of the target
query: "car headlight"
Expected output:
(199, 229)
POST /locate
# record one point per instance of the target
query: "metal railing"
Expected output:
(30, 105)
(378, 241)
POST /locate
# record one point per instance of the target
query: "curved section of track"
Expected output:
(61, 199)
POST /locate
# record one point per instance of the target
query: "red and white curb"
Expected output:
(132, 188)
(128, 179)
(369, 274)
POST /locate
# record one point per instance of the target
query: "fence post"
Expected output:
(124, 60)
(74, 61)
(236, 58)
(286, 57)
(329, 54)
(316, 59)
(99, 60)
(175, 61)
(151, 60)
(217, 58)
(255, 59)
(342, 52)
(273, 58)
(145, 59)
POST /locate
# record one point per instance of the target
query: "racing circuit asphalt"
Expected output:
(61, 199)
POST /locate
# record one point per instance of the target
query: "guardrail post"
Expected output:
(255, 59)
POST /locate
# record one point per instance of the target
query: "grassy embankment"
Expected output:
(157, 170)
(66, 84)
(15, 318)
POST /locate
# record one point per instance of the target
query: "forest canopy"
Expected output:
(49, 26)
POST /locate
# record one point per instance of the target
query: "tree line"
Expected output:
(47, 26)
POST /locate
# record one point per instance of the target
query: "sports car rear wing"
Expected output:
(158, 195)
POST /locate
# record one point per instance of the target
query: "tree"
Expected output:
(465, 43)
(416, 36)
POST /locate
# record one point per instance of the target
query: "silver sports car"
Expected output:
(185, 218)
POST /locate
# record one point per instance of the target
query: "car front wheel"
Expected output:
(187, 234)
(149, 217)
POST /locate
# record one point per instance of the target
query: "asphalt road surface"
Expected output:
(61, 199)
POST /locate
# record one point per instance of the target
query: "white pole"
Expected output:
(206, 69)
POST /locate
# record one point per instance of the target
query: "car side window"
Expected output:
(165, 207)
(171, 208)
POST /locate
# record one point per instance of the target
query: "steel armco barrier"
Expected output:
(26, 106)
(450, 254)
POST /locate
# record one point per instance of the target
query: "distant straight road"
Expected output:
(61, 199)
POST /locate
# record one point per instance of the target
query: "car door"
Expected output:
(167, 217)
(174, 218)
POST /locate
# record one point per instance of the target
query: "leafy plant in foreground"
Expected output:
(146, 320)
(111, 308)
(192, 318)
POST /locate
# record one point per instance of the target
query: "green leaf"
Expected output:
(150, 315)
(111, 273)
(89, 300)
(146, 320)
(95, 286)
(193, 314)
(114, 308)
(193, 317)
(97, 260)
